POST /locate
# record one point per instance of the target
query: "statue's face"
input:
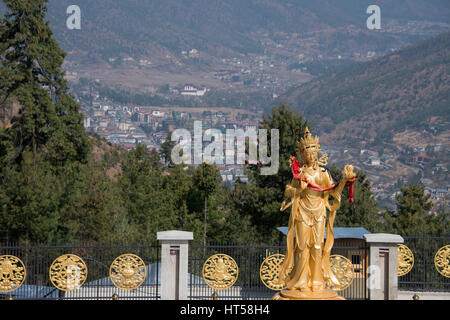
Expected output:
(310, 154)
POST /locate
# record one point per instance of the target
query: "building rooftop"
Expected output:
(339, 233)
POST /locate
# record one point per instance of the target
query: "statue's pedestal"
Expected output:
(325, 294)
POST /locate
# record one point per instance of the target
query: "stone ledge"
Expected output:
(175, 235)
(383, 238)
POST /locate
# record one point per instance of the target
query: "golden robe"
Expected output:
(306, 265)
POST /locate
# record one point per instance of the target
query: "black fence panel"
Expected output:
(424, 276)
(98, 258)
(358, 254)
(249, 258)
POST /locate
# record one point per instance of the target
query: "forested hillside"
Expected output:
(370, 102)
(155, 29)
(58, 185)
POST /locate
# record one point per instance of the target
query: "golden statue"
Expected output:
(306, 269)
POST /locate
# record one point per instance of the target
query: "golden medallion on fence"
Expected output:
(12, 273)
(442, 260)
(405, 260)
(269, 271)
(220, 271)
(342, 269)
(128, 272)
(68, 272)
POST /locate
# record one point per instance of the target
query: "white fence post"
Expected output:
(383, 265)
(174, 263)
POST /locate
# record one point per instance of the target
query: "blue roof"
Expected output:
(339, 233)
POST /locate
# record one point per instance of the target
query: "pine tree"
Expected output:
(29, 200)
(31, 69)
(91, 207)
(412, 216)
(364, 212)
(166, 151)
(206, 180)
(46, 138)
(261, 198)
(291, 127)
(147, 203)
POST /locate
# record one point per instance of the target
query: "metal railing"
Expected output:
(249, 258)
(424, 276)
(98, 258)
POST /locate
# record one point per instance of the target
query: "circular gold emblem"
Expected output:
(269, 271)
(442, 260)
(68, 272)
(405, 260)
(342, 269)
(12, 273)
(128, 272)
(220, 271)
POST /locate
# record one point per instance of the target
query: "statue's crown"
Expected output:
(308, 141)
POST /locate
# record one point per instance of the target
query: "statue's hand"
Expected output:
(348, 173)
(303, 185)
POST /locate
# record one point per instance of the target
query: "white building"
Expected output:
(157, 113)
(87, 122)
(190, 90)
(374, 161)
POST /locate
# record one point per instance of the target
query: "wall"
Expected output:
(407, 295)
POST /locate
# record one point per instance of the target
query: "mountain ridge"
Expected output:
(370, 102)
(217, 28)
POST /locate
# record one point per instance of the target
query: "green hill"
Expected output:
(372, 101)
(157, 28)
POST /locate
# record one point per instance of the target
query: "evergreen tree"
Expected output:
(261, 198)
(178, 184)
(206, 180)
(29, 200)
(46, 139)
(364, 212)
(166, 150)
(147, 203)
(441, 222)
(31, 69)
(92, 208)
(412, 216)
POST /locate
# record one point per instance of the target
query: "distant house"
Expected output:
(141, 116)
(441, 193)
(87, 121)
(437, 147)
(99, 113)
(194, 53)
(104, 121)
(128, 147)
(421, 158)
(157, 113)
(190, 90)
(374, 161)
